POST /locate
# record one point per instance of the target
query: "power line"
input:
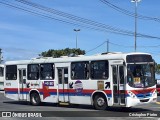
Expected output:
(86, 21)
(75, 20)
(62, 20)
(72, 17)
(96, 47)
(120, 45)
(126, 12)
(43, 15)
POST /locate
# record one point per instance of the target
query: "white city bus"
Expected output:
(1, 77)
(111, 79)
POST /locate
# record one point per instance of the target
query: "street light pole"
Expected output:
(135, 33)
(76, 30)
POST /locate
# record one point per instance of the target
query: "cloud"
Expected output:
(13, 27)
(12, 53)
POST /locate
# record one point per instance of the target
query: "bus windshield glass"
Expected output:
(140, 75)
(138, 58)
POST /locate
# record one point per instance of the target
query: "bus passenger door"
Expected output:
(22, 84)
(118, 84)
(63, 84)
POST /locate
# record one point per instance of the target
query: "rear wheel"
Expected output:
(35, 99)
(100, 102)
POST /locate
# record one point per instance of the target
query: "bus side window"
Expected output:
(47, 71)
(80, 70)
(99, 69)
(72, 71)
(11, 72)
(87, 70)
(33, 71)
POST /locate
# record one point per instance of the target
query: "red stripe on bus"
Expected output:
(10, 89)
(55, 90)
(85, 91)
(108, 91)
(143, 91)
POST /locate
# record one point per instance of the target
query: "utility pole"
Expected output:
(107, 45)
(1, 56)
(135, 33)
(76, 30)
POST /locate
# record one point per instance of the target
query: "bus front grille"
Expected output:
(144, 100)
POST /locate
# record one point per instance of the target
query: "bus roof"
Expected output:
(108, 56)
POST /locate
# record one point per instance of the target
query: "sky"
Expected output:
(24, 35)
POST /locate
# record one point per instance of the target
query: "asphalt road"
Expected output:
(23, 110)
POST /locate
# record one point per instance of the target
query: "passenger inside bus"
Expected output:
(32, 76)
(104, 75)
(137, 72)
(130, 78)
(48, 76)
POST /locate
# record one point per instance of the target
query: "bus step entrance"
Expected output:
(63, 103)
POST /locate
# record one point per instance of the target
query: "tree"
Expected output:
(157, 68)
(62, 52)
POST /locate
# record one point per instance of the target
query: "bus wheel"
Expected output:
(35, 99)
(100, 102)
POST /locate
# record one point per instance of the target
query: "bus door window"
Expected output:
(24, 73)
(121, 74)
(1, 71)
(65, 75)
(118, 84)
(22, 76)
(122, 84)
(60, 76)
(115, 84)
(114, 71)
(63, 83)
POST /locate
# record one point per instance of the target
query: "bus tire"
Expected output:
(100, 102)
(35, 99)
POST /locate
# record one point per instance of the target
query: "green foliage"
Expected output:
(157, 68)
(62, 52)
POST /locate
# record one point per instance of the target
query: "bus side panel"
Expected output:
(11, 89)
(1, 83)
(48, 92)
(86, 100)
(80, 91)
(47, 89)
(1, 77)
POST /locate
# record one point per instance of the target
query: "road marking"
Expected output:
(158, 103)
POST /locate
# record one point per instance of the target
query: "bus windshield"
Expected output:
(140, 75)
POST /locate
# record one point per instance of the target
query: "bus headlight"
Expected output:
(154, 93)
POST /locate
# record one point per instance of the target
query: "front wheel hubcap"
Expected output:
(100, 101)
